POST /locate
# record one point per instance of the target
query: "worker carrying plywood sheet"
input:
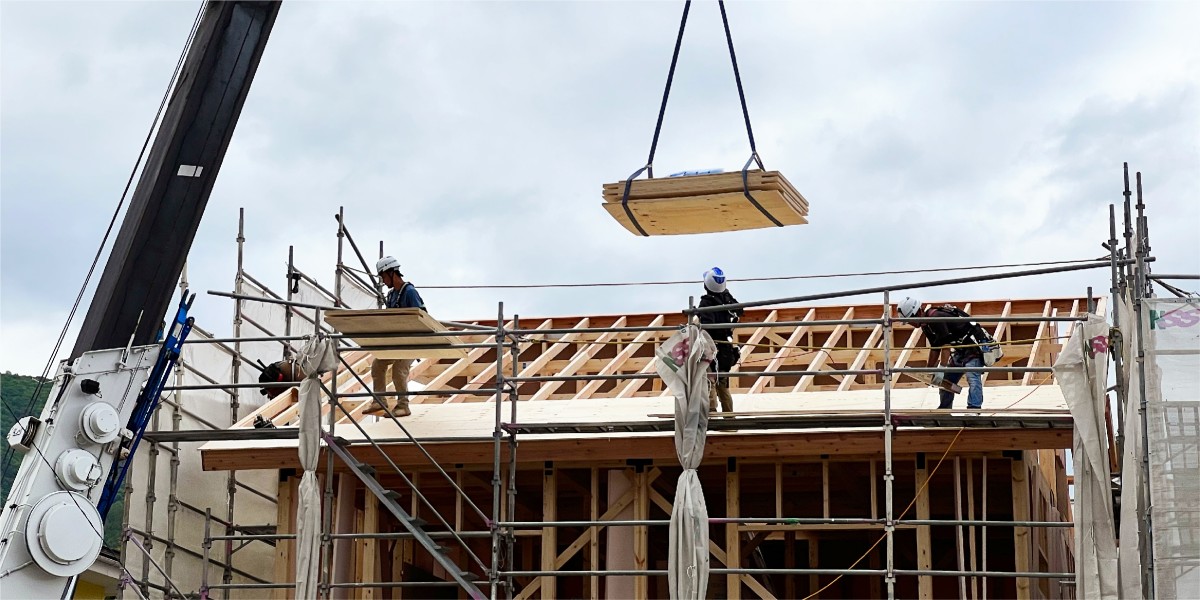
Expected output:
(402, 294)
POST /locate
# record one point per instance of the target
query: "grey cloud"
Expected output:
(473, 139)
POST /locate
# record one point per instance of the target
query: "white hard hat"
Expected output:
(386, 264)
(908, 307)
(714, 280)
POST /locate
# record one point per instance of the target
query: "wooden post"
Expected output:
(641, 533)
(549, 534)
(789, 562)
(733, 583)
(343, 549)
(285, 563)
(874, 493)
(1020, 498)
(958, 529)
(814, 581)
(924, 556)
(458, 499)
(778, 490)
(619, 540)
(971, 528)
(825, 488)
(370, 545)
(360, 554)
(594, 542)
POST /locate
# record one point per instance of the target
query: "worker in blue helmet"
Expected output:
(716, 293)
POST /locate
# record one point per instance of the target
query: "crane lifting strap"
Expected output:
(754, 158)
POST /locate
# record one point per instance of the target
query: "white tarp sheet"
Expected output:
(1082, 373)
(1172, 372)
(316, 358)
(682, 362)
(1132, 476)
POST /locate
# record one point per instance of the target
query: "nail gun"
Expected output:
(938, 381)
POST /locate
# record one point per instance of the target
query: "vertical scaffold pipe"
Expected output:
(888, 476)
(493, 527)
(1147, 517)
(1115, 348)
(511, 488)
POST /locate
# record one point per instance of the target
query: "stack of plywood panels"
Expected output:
(706, 203)
(374, 326)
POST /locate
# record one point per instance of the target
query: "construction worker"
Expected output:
(716, 294)
(960, 336)
(278, 377)
(402, 295)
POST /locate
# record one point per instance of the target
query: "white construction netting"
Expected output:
(167, 498)
(1172, 330)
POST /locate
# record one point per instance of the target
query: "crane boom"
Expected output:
(181, 168)
(79, 449)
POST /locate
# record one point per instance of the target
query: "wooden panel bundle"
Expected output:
(374, 325)
(706, 203)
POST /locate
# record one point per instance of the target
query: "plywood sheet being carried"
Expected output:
(706, 203)
(370, 329)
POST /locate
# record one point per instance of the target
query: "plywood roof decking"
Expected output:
(475, 422)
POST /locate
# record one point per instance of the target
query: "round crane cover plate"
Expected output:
(77, 469)
(100, 422)
(63, 534)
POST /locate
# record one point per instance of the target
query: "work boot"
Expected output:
(401, 409)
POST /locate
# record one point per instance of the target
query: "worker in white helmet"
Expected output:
(402, 294)
(964, 338)
(717, 294)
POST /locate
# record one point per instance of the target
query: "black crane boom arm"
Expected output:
(167, 204)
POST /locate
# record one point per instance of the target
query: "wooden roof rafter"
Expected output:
(767, 347)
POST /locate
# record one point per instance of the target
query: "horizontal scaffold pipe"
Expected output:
(280, 433)
(231, 386)
(1106, 264)
(620, 377)
(780, 521)
(438, 392)
(1030, 319)
(1173, 276)
(850, 572)
(973, 370)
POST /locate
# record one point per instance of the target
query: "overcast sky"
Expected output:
(473, 139)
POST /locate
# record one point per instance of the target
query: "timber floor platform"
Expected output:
(618, 429)
(706, 203)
